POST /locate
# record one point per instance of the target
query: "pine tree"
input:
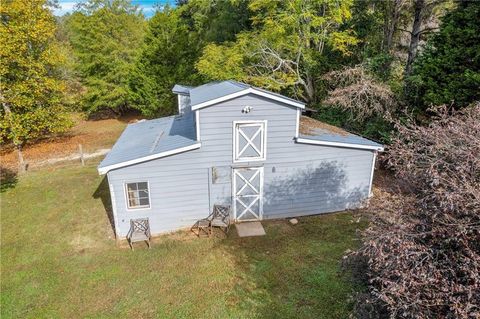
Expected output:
(448, 71)
(167, 58)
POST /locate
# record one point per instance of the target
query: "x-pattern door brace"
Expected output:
(250, 140)
(254, 183)
(248, 182)
(248, 208)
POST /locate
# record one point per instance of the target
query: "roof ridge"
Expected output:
(238, 83)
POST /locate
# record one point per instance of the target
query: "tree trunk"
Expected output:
(309, 89)
(391, 24)
(415, 36)
(22, 166)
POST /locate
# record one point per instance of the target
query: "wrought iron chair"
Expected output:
(139, 231)
(220, 217)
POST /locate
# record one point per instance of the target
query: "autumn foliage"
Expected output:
(423, 246)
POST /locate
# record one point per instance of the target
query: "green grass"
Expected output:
(59, 260)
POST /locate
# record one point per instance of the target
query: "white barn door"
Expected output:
(249, 141)
(248, 193)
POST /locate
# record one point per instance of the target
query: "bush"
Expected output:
(358, 102)
(423, 249)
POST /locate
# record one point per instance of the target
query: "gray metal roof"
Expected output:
(215, 90)
(319, 131)
(146, 138)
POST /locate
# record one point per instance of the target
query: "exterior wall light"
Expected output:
(247, 109)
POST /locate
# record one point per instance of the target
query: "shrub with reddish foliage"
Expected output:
(423, 248)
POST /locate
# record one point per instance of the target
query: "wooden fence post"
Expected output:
(80, 149)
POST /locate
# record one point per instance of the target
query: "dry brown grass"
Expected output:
(92, 135)
(308, 126)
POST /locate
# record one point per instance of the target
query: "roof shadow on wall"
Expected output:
(326, 183)
(183, 125)
(103, 193)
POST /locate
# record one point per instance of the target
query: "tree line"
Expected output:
(357, 63)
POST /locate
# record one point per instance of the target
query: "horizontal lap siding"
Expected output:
(307, 179)
(216, 132)
(176, 200)
(317, 183)
(290, 191)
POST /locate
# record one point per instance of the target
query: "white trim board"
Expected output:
(297, 124)
(105, 169)
(114, 209)
(370, 194)
(197, 125)
(339, 144)
(245, 92)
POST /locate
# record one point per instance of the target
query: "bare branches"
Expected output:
(274, 66)
(356, 91)
(423, 249)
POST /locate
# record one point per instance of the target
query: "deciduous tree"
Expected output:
(287, 46)
(106, 37)
(423, 246)
(31, 91)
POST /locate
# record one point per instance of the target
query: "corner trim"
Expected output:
(197, 124)
(297, 124)
(370, 194)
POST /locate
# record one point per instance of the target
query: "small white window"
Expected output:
(138, 195)
(249, 141)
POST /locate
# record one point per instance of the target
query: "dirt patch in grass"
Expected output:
(91, 134)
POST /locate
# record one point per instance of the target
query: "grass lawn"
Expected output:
(59, 260)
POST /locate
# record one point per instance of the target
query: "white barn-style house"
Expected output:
(238, 145)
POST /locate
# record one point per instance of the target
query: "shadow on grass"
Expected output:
(8, 179)
(294, 271)
(103, 193)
